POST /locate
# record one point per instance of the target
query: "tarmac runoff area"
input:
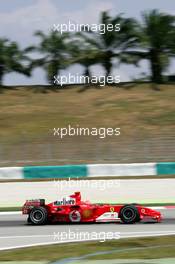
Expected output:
(16, 233)
(105, 191)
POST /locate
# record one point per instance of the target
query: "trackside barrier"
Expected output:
(135, 169)
(65, 171)
(89, 170)
(166, 168)
(11, 173)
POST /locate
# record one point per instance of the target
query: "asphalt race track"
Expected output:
(15, 232)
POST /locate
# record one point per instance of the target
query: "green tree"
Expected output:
(12, 59)
(156, 42)
(56, 57)
(82, 53)
(112, 43)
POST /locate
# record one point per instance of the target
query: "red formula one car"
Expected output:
(73, 209)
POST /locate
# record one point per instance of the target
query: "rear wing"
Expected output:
(29, 204)
(35, 202)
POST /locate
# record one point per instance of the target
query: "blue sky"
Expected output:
(19, 19)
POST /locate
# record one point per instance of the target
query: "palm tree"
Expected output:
(12, 59)
(156, 42)
(82, 53)
(111, 44)
(54, 47)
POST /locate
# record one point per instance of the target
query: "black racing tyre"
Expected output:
(38, 216)
(129, 214)
(138, 217)
(28, 220)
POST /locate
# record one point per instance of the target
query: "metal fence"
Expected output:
(157, 148)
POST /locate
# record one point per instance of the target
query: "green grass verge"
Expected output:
(28, 117)
(10, 209)
(22, 110)
(140, 248)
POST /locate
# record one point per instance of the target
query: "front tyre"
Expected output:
(129, 214)
(38, 216)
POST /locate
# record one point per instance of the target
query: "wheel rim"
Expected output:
(129, 214)
(37, 216)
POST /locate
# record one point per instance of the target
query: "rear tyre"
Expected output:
(129, 214)
(38, 216)
(28, 220)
